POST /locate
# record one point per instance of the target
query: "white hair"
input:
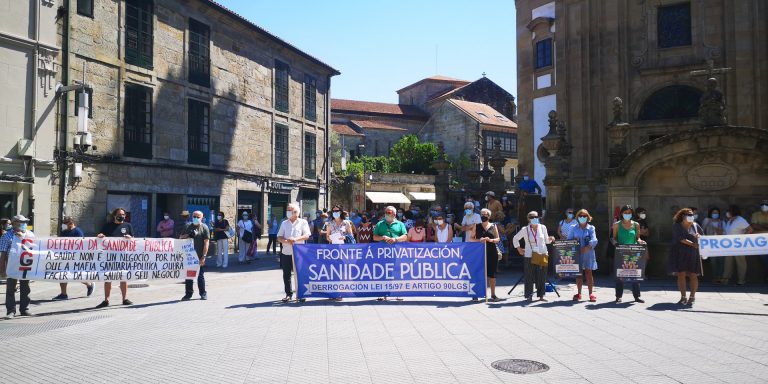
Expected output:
(469, 204)
(485, 210)
(295, 207)
(196, 212)
(388, 207)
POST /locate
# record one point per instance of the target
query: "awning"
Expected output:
(387, 197)
(422, 196)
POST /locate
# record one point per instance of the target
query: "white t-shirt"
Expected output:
(737, 226)
(535, 241)
(289, 230)
(472, 219)
(245, 225)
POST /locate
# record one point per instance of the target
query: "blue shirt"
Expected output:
(76, 232)
(529, 186)
(586, 236)
(6, 241)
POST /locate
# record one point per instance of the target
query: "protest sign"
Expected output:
(630, 262)
(733, 245)
(401, 269)
(71, 259)
(567, 257)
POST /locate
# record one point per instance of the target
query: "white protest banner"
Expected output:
(70, 259)
(733, 245)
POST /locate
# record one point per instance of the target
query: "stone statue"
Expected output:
(618, 107)
(712, 105)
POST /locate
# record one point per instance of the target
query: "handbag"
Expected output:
(247, 235)
(540, 259)
(230, 232)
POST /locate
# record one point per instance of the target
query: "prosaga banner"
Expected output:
(71, 259)
(630, 262)
(567, 257)
(733, 245)
(401, 269)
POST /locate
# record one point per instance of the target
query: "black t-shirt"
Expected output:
(113, 229)
(223, 224)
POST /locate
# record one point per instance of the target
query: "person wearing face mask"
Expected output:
(365, 230)
(246, 229)
(536, 239)
(469, 221)
(443, 230)
(587, 237)
(273, 226)
(695, 215)
(165, 226)
(355, 218)
(488, 233)
(407, 219)
(199, 233)
(339, 228)
(293, 230)
(684, 253)
(627, 231)
(390, 231)
(18, 229)
(566, 224)
(760, 225)
(116, 228)
(71, 230)
(714, 225)
(736, 225)
(220, 228)
(5, 227)
(497, 210)
(642, 220)
(528, 185)
(417, 234)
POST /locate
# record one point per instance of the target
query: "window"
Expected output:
(85, 8)
(138, 121)
(310, 98)
(673, 102)
(198, 132)
(544, 53)
(281, 149)
(508, 143)
(199, 53)
(89, 91)
(674, 25)
(310, 155)
(281, 86)
(138, 32)
(483, 115)
(501, 118)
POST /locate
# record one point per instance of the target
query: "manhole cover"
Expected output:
(138, 285)
(522, 367)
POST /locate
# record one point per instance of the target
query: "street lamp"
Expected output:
(360, 150)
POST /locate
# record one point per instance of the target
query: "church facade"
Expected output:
(657, 104)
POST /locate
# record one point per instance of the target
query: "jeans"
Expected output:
(273, 243)
(10, 295)
(534, 275)
(243, 252)
(620, 289)
(286, 263)
(222, 252)
(200, 283)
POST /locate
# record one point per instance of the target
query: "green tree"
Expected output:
(411, 156)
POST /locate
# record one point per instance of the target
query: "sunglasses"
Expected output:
(583, 216)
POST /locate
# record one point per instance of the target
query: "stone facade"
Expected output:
(241, 174)
(664, 161)
(28, 75)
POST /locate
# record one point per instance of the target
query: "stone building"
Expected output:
(193, 107)
(28, 73)
(632, 123)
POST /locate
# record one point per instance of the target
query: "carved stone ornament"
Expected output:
(712, 176)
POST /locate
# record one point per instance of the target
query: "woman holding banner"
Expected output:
(684, 255)
(585, 234)
(443, 231)
(626, 232)
(487, 233)
(339, 228)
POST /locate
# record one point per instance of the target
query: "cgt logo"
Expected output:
(26, 259)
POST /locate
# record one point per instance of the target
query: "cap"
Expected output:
(185, 213)
(20, 219)
(490, 193)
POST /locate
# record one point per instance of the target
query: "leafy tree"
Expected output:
(411, 156)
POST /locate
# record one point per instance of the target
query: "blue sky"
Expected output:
(381, 46)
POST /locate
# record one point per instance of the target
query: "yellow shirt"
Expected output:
(760, 218)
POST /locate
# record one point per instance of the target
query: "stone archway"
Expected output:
(705, 167)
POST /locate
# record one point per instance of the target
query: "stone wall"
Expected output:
(452, 127)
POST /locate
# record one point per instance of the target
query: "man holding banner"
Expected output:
(116, 228)
(390, 231)
(293, 230)
(200, 235)
(8, 240)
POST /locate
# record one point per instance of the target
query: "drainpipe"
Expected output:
(34, 113)
(63, 165)
(327, 141)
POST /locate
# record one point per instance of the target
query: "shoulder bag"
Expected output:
(540, 259)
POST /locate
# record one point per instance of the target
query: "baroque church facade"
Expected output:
(658, 104)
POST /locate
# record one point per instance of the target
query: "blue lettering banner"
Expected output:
(401, 269)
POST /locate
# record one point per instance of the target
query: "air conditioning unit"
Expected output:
(24, 147)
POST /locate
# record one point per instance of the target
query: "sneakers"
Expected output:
(127, 302)
(592, 298)
(9, 315)
(26, 313)
(204, 296)
(61, 296)
(577, 297)
(103, 304)
(89, 290)
(186, 297)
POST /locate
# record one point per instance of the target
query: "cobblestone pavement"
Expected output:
(242, 334)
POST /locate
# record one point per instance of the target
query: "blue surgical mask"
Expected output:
(23, 227)
(535, 220)
(8, 227)
(196, 220)
(715, 215)
(689, 219)
(336, 215)
(467, 211)
(582, 220)
(627, 216)
(570, 216)
(525, 178)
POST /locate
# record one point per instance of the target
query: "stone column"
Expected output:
(442, 179)
(559, 150)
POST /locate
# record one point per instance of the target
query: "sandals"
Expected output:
(577, 297)
(690, 301)
(287, 298)
(592, 298)
(682, 301)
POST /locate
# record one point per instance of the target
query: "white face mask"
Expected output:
(64, 227)
(642, 216)
(764, 208)
(165, 217)
(439, 222)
